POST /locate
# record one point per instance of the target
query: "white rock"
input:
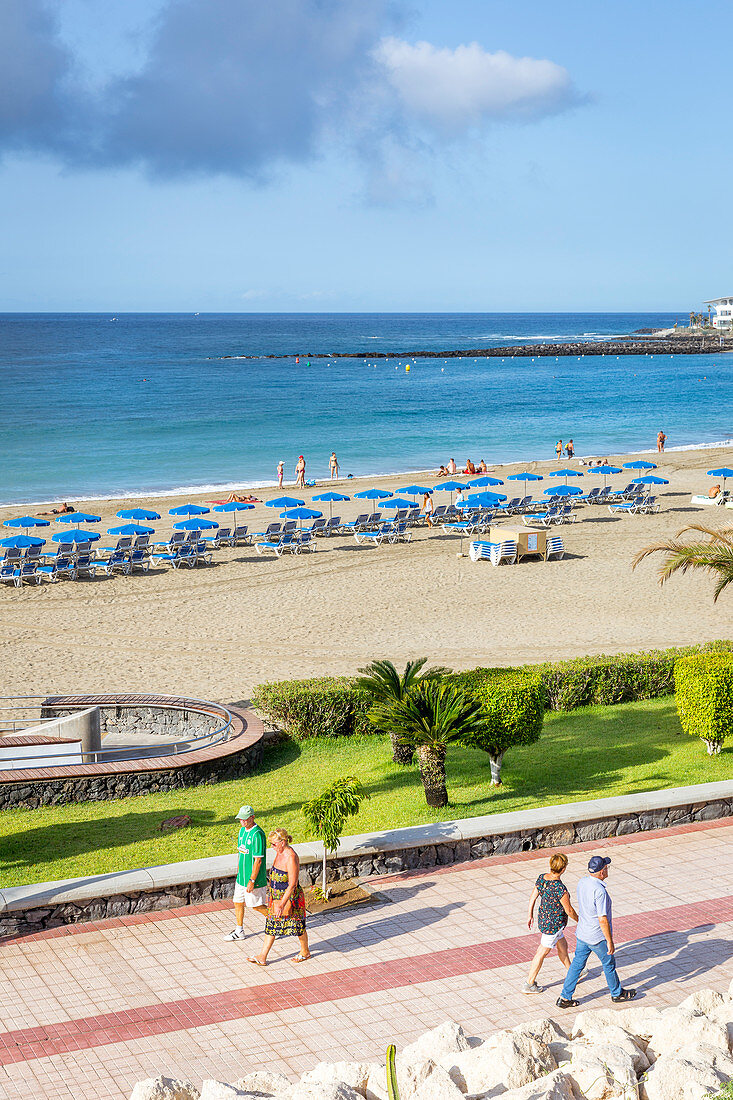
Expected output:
(505, 1059)
(687, 1073)
(557, 1085)
(164, 1088)
(218, 1090)
(322, 1091)
(638, 1020)
(447, 1038)
(415, 1081)
(602, 1071)
(353, 1074)
(263, 1082)
(599, 1031)
(702, 1002)
(676, 1029)
(544, 1031)
(723, 1014)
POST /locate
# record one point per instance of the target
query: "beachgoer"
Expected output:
(427, 509)
(714, 491)
(442, 472)
(285, 899)
(334, 464)
(470, 468)
(661, 440)
(62, 511)
(452, 468)
(570, 449)
(250, 888)
(558, 449)
(482, 467)
(604, 463)
(555, 909)
(236, 498)
(300, 473)
(594, 933)
(459, 497)
(280, 473)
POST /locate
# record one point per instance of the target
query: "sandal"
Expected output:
(301, 958)
(257, 962)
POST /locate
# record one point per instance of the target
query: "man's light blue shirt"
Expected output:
(593, 902)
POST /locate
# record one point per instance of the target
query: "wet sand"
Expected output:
(214, 632)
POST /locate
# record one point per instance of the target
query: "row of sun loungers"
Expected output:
(506, 551)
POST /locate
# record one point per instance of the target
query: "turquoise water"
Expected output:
(146, 403)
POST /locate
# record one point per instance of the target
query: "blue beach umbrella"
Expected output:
(605, 470)
(650, 479)
(188, 510)
(76, 535)
(449, 487)
(525, 476)
(331, 498)
(722, 471)
(26, 521)
(22, 542)
(483, 481)
(639, 464)
(563, 491)
(398, 502)
(196, 524)
(300, 514)
(138, 514)
(131, 529)
(482, 500)
(565, 474)
(373, 494)
(78, 517)
(284, 502)
(415, 490)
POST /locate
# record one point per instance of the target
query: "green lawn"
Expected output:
(591, 753)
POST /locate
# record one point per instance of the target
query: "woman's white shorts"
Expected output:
(549, 939)
(256, 896)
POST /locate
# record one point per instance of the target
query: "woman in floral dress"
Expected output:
(285, 899)
(555, 909)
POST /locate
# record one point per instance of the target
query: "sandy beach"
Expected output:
(214, 632)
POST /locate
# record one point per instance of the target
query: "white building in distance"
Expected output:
(723, 307)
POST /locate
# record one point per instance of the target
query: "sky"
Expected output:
(365, 155)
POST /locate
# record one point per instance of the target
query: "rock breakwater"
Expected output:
(676, 345)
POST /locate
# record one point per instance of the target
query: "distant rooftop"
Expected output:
(714, 301)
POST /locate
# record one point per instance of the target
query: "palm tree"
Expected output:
(429, 718)
(384, 684)
(714, 556)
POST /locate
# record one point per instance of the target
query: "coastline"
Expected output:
(224, 488)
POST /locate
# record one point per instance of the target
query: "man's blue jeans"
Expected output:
(580, 958)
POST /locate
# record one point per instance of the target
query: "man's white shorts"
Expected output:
(549, 939)
(256, 896)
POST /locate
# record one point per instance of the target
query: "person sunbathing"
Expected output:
(235, 498)
(62, 511)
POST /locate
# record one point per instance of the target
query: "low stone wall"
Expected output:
(27, 909)
(162, 721)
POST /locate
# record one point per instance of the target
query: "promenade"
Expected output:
(90, 1009)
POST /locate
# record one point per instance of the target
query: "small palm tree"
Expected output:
(714, 556)
(385, 685)
(328, 812)
(432, 716)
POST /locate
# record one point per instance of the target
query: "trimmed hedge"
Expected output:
(623, 678)
(704, 691)
(330, 706)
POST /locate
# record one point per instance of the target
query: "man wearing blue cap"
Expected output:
(594, 933)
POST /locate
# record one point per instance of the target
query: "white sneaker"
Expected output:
(237, 934)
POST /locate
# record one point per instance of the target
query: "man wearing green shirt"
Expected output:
(250, 889)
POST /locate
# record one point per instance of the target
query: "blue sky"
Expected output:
(365, 155)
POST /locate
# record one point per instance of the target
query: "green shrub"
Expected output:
(608, 679)
(704, 691)
(330, 706)
(513, 708)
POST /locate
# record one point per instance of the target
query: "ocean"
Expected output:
(104, 405)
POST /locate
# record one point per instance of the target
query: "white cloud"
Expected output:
(455, 90)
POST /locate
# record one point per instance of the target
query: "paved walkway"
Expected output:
(89, 1009)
